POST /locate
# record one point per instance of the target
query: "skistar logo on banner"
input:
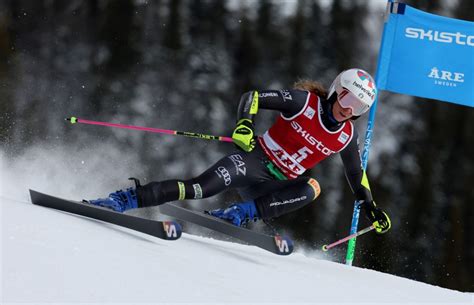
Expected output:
(444, 37)
(427, 55)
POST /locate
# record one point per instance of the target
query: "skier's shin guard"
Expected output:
(288, 199)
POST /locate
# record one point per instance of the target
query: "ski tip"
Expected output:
(172, 229)
(284, 245)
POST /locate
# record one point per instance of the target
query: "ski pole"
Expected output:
(75, 120)
(354, 235)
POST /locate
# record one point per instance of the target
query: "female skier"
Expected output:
(267, 170)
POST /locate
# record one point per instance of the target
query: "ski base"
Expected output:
(168, 230)
(277, 244)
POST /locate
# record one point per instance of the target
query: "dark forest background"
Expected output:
(183, 64)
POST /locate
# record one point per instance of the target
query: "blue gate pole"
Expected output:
(365, 155)
(364, 158)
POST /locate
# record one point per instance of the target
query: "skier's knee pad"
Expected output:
(314, 184)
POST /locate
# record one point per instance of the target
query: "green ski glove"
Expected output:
(243, 135)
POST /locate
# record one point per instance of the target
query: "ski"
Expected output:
(274, 243)
(168, 230)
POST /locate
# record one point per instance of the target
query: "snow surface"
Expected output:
(51, 256)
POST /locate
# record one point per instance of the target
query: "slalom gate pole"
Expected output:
(365, 154)
(365, 159)
(350, 237)
(75, 120)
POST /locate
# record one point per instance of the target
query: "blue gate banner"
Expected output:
(427, 55)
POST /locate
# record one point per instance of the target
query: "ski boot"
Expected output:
(238, 214)
(119, 201)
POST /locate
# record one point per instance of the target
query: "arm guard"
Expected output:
(248, 106)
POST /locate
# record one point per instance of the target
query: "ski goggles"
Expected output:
(348, 100)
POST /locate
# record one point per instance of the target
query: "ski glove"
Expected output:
(379, 218)
(243, 135)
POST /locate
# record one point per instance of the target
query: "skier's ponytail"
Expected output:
(311, 86)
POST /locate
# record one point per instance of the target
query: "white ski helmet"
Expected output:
(355, 89)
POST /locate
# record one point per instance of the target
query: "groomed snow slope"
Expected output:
(51, 256)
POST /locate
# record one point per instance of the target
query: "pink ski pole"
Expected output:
(340, 241)
(75, 120)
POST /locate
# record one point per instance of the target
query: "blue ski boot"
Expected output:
(238, 214)
(119, 201)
